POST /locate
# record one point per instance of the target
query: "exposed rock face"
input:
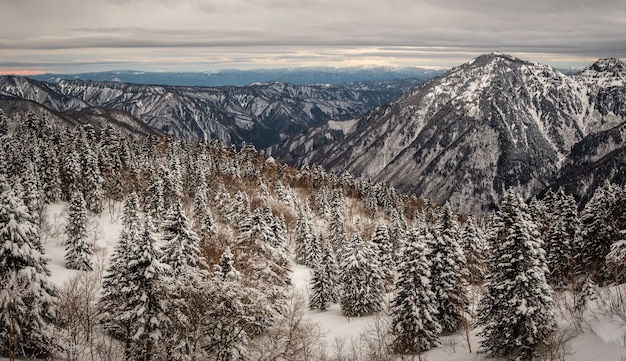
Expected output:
(262, 114)
(490, 124)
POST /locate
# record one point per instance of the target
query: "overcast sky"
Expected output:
(71, 36)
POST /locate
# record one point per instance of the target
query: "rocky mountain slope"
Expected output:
(487, 125)
(261, 113)
(17, 110)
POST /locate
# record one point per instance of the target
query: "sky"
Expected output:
(73, 36)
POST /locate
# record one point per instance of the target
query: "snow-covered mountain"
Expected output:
(493, 123)
(261, 113)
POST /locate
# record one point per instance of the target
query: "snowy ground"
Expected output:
(602, 339)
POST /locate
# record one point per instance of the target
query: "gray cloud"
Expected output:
(211, 33)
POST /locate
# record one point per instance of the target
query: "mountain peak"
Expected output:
(613, 65)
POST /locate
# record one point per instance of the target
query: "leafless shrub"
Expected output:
(557, 346)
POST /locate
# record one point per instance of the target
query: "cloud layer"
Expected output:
(76, 35)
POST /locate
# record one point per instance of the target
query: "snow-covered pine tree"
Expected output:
(148, 303)
(304, 236)
(517, 310)
(267, 267)
(115, 311)
(181, 249)
(384, 251)
(154, 201)
(598, 233)
(449, 272)
(474, 244)
(415, 324)
(93, 184)
(562, 235)
(79, 248)
(27, 297)
(361, 279)
(322, 288)
(70, 174)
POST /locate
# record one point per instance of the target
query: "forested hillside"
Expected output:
(210, 234)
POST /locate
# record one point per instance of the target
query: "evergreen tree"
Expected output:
(562, 235)
(362, 279)
(181, 249)
(448, 271)
(92, 180)
(79, 250)
(322, 288)
(304, 237)
(598, 233)
(115, 308)
(415, 324)
(517, 311)
(155, 202)
(148, 303)
(384, 251)
(474, 244)
(27, 296)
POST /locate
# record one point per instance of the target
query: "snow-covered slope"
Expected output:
(487, 125)
(263, 114)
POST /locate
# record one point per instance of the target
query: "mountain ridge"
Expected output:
(493, 123)
(261, 113)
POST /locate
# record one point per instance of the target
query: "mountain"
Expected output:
(493, 123)
(298, 76)
(260, 113)
(17, 110)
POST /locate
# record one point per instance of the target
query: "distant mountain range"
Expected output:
(296, 76)
(494, 123)
(259, 113)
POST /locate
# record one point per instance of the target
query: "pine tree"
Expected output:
(115, 310)
(27, 296)
(517, 311)
(321, 289)
(304, 237)
(181, 249)
(598, 233)
(361, 279)
(155, 202)
(449, 272)
(415, 324)
(562, 235)
(474, 244)
(79, 250)
(384, 251)
(148, 303)
(93, 184)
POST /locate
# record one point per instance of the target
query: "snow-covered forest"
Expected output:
(208, 239)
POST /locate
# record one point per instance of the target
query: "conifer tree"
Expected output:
(155, 202)
(362, 280)
(115, 310)
(598, 233)
(148, 303)
(474, 244)
(27, 296)
(92, 181)
(449, 272)
(79, 250)
(181, 249)
(562, 235)
(322, 288)
(415, 324)
(384, 252)
(304, 237)
(517, 311)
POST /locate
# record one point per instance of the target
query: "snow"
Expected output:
(602, 337)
